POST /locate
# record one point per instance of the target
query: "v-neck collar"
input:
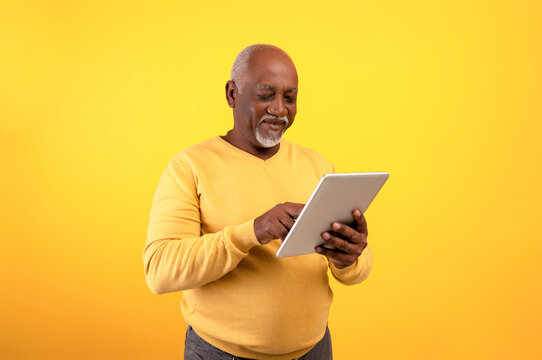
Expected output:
(248, 155)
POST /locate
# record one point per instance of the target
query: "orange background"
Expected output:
(96, 97)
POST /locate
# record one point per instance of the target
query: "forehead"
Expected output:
(272, 70)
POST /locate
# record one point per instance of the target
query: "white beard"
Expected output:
(274, 137)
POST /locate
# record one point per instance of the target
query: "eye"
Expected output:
(265, 97)
(290, 99)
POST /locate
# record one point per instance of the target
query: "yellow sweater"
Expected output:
(238, 295)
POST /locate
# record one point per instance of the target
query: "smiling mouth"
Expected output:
(273, 125)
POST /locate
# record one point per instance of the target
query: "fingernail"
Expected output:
(326, 236)
(318, 250)
(335, 226)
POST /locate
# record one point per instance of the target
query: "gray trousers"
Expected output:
(195, 348)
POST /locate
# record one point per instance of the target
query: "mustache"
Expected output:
(275, 118)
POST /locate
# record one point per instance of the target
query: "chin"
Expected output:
(268, 141)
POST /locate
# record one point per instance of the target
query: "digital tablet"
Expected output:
(333, 200)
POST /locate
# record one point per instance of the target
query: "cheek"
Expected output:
(292, 109)
(251, 113)
(257, 111)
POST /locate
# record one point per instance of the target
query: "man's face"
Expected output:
(267, 102)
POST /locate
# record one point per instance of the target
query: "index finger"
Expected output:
(293, 209)
(360, 219)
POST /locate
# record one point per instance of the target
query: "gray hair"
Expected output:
(242, 61)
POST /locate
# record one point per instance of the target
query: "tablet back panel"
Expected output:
(333, 199)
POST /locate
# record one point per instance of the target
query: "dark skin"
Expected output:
(348, 241)
(270, 88)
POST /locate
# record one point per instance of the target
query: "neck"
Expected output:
(239, 142)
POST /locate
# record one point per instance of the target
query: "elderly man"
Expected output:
(219, 214)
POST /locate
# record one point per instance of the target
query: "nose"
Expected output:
(278, 107)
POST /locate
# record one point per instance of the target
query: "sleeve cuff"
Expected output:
(357, 272)
(243, 237)
(344, 272)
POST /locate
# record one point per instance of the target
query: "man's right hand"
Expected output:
(276, 223)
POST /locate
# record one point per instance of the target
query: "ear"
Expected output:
(231, 93)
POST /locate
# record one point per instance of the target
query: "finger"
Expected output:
(324, 251)
(338, 258)
(326, 237)
(360, 220)
(342, 260)
(337, 242)
(293, 209)
(275, 230)
(279, 230)
(349, 233)
(287, 221)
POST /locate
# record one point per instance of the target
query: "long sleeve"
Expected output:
(176, 255)
(357, 272)
(201, 241)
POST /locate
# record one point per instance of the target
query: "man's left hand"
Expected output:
(348, 241)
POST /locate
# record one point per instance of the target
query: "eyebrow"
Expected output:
(269, 87)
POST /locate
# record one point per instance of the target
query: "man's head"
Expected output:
(263, 94)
